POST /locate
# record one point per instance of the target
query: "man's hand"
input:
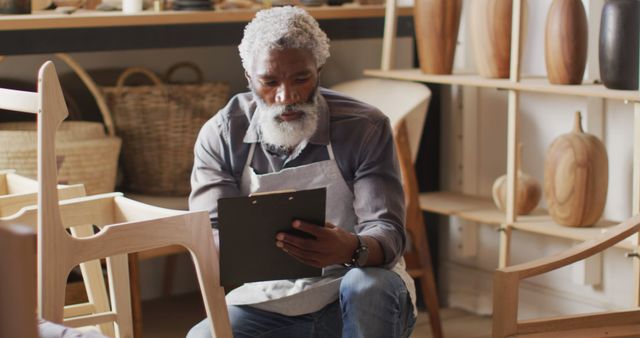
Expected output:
(332, 245)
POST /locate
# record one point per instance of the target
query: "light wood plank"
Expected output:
(15, 100)
(481, 209)
(389, 37)
(464, 79)
(4, 189)
(582, 321)
(119, 291)
(636, 197)
(90, 319)
(86, 19)
(594, 332)
(11, 204)
(526, 84)
(544, 225)
(17, 184)
(76, 310)
(452, 203)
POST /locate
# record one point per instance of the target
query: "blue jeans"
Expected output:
(373, 302)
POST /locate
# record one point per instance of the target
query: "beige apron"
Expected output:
(305, 295)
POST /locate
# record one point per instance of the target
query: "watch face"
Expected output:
(362, 254)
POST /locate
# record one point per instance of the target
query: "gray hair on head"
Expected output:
(280, 28)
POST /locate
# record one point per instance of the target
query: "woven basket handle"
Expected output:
(184, 64)
(93, 88)
(137, 70)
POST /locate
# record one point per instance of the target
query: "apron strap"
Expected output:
(330, 151)
(247, 163)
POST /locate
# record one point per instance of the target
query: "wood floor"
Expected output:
(172, 317)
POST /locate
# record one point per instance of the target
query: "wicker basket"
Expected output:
(159, 124)
(85, 154)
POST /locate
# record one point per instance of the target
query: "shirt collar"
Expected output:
(321, 135)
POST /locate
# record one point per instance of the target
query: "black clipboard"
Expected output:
(248, 227)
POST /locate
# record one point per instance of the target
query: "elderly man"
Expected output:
(288, 133)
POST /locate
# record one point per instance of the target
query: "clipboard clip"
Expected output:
(271, 193)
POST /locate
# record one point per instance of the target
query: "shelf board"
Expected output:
(91, 18)
(526, 84)
(482, 210)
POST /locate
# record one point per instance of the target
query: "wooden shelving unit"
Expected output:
(482, 209)
(526, 84)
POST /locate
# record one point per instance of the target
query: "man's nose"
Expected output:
(287, 95)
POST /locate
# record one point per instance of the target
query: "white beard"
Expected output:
(287, 134)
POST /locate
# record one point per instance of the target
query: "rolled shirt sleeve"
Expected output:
(212, 176)
(379, 197)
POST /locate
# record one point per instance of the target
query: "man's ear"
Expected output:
(320, 70)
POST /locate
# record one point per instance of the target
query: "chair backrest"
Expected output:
(399, 100)
(17, 281)
(50, 108)
(127, 227)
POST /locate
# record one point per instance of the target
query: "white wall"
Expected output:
(466, 281)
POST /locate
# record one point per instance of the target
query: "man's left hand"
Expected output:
(332, 245)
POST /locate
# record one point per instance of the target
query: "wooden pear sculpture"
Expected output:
(528, 191)
(576, 174)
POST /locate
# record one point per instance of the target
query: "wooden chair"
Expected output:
(405, 103)
(17, 281)
(606, 324)
(16, 192)
(126, 226)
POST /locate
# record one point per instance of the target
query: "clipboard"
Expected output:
(247, 230)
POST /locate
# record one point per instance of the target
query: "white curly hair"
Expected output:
(280, 28)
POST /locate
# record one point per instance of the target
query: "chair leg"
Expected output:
(120, 296)
(430, 298)
(212, 293)
(94, 282)
(136, 305)
(53, 283)
(97, 292)
(416, 226)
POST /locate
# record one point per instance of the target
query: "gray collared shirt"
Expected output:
(362, 141)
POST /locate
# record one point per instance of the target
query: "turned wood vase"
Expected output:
(576, 178)
(528, 193)
(619, 44)
(565, 42)
(491, 36)
(436, 27)
(528, 190)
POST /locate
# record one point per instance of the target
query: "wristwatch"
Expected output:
(360, 256)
